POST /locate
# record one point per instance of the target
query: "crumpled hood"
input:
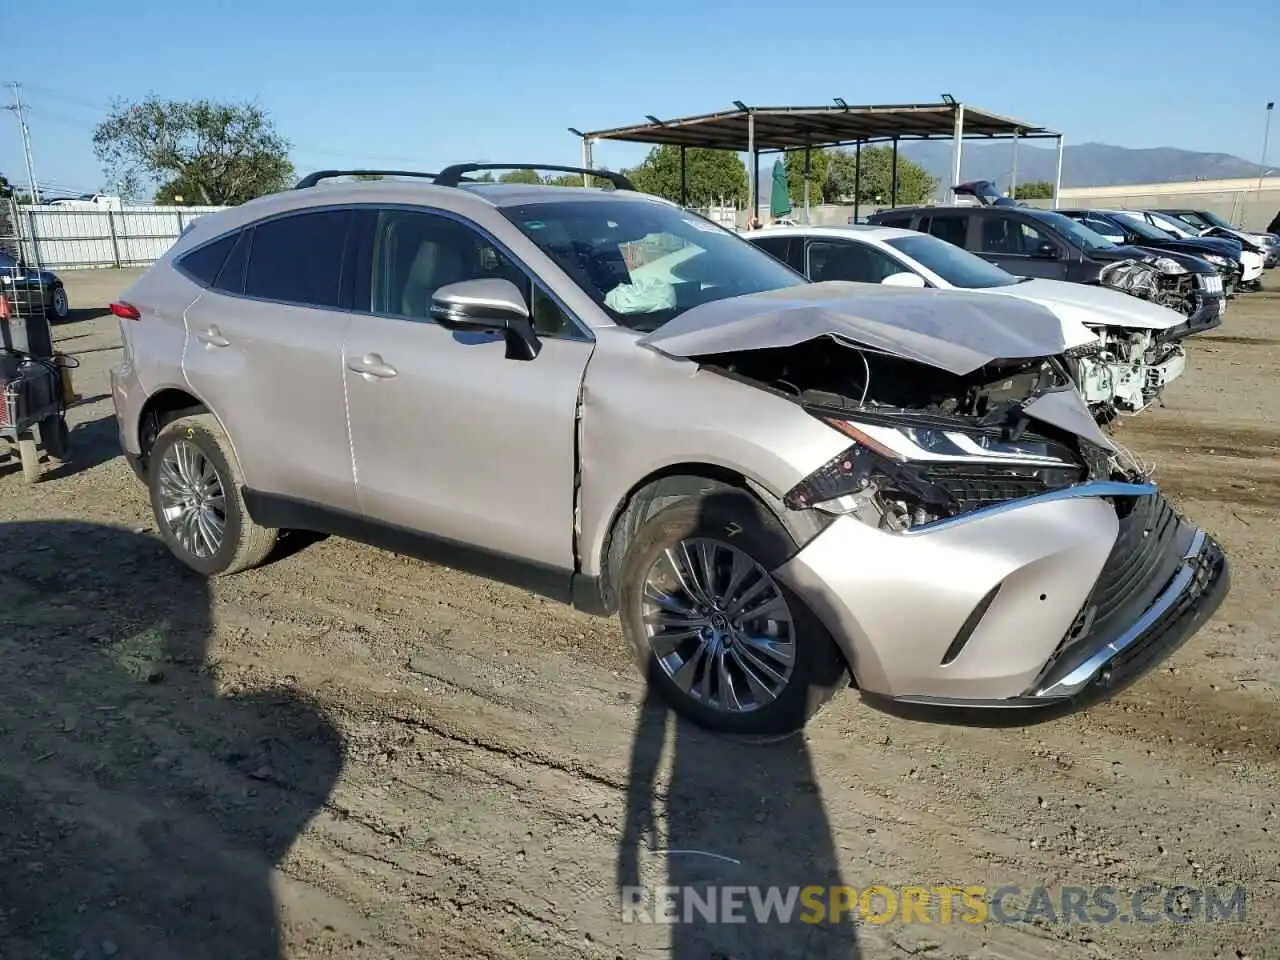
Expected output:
(951, 330)
(1096, 305)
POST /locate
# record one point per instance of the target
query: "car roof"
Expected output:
(874, 231)
(496, 194)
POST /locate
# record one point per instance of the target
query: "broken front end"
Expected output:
(1166, 282)
(1126, 371)
(988, 547)
(983, 545)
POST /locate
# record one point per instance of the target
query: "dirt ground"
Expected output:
(349, 754)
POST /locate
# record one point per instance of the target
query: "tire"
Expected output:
(200, 441)
(55, 438)
(59, 305)
(721, 519)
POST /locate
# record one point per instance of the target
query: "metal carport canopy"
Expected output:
(758, 130)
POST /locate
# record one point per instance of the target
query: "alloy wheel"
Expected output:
(193, 502)
(61, 306)
(718, 625)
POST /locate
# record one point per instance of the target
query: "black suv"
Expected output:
(1223, 255)
(1028, 242)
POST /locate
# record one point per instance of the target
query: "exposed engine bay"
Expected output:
(1125, 372)
(1160, 280)
(976, 441)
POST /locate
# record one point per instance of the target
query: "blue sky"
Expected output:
(422, 84)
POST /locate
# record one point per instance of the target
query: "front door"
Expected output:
(1015, 245)
(450, 438)
(264, 352)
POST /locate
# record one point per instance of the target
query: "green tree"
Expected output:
(819, 162)
(218, 153)
(876, 183)
(521, 176)
(711, 176)
(1033, 190)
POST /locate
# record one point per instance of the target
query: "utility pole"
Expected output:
(20, 112)
(1266, 135)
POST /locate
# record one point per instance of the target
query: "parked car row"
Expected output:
(781, 486)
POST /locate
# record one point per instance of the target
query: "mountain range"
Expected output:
(1083, 165)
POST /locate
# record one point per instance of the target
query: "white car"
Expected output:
(1250, 261)
(1124, 367)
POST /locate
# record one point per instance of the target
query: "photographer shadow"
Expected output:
(736, 815)
(142, 812)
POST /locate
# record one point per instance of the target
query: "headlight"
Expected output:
(1168, 265)
(1217, 261)
(904, 476)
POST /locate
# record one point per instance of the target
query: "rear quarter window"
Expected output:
(203, 263)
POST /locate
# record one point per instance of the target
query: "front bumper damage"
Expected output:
(1198, 297)
(1017, 613)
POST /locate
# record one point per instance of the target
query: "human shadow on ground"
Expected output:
(735, 815)
(142, 813)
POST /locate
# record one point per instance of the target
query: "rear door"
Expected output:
(264, 352)
(953, 226)
(1014, 244)
(836, 259)
(452, 439)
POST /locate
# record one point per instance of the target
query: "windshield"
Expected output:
(958, 267)
(645, 262)
(1175, 226)
(1212, 218)
(1078, 233)
(1141, 227)
(7, 262)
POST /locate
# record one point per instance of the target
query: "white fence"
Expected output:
(66, 237)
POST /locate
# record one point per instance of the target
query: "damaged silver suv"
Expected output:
(780, 487)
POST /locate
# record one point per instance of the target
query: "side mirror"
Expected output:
(1045, 250)
(488, 305)
(904, 279)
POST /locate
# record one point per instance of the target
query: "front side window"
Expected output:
(298, 258)
(960, 268)
(7, 262)
(1078, 233)
(415, 254)
(644, 262)
(846, 260)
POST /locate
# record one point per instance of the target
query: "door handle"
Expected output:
(213, 337)
(372, 365)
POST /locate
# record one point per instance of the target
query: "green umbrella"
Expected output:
(779, 193)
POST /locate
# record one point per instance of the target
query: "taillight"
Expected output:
(126, 311)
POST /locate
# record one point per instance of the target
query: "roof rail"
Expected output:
(311, 179)
(451, 176)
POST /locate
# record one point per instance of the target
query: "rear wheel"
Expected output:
(196, 485)
(59, 305)
(724, 642)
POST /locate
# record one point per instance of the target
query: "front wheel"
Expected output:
(195, 485)
(722, 640)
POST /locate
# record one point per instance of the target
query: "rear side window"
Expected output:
(203, 263)
(950, 229)
(230, 278)
(298, 258)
